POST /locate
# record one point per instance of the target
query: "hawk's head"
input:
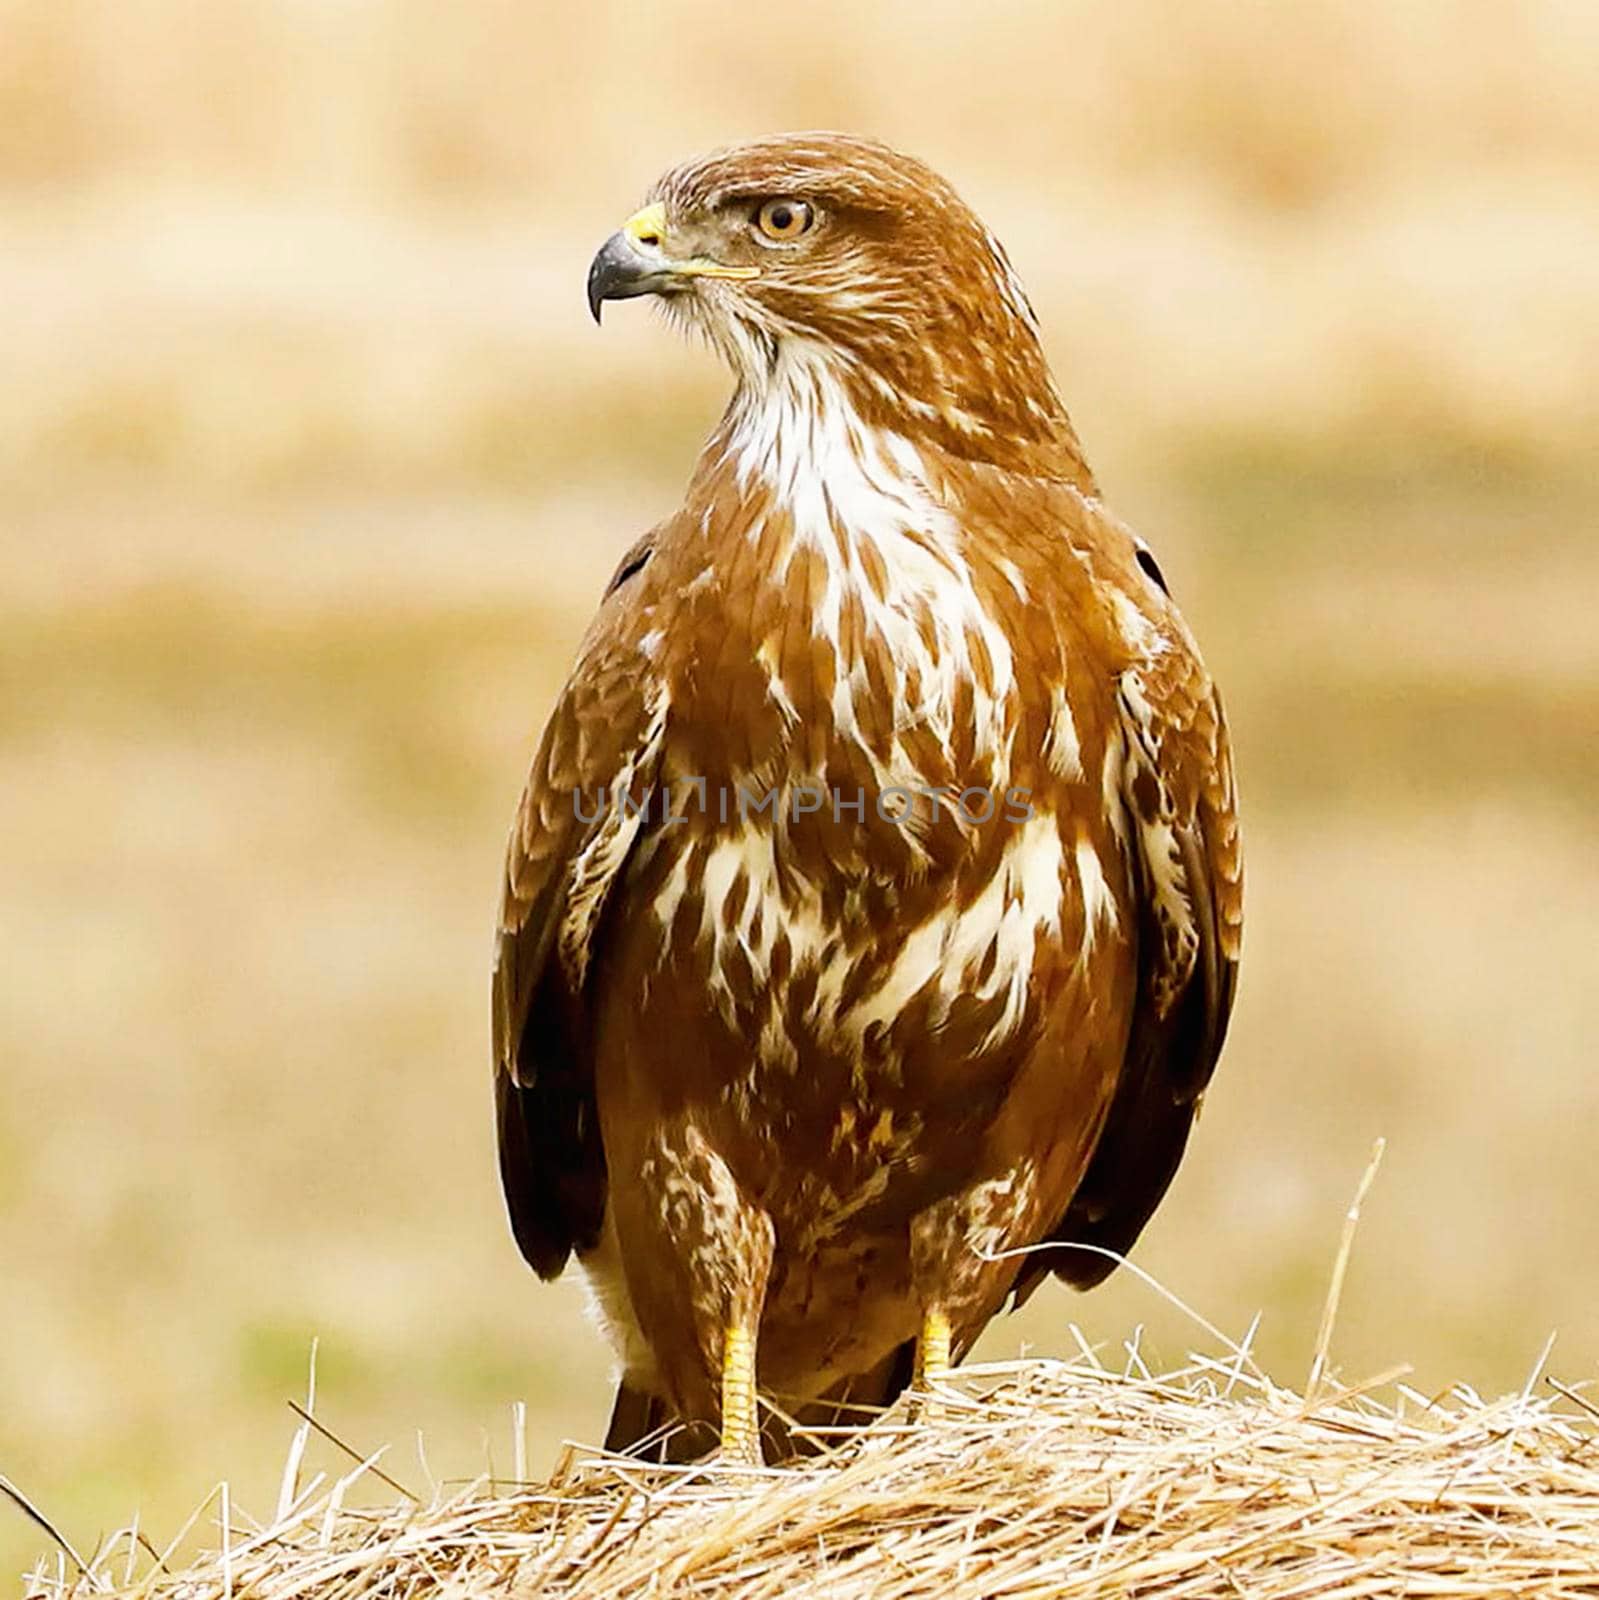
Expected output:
(835, 256)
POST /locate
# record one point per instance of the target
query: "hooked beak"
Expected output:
(633, 261)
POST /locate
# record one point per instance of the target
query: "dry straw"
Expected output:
(1031, 1478)
(1037, 1478)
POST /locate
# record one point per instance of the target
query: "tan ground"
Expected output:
(310, 466)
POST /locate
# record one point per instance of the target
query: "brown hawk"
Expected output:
(873, 907)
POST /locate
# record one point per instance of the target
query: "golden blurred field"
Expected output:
(311, 465)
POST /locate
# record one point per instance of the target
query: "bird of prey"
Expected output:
(872, 912)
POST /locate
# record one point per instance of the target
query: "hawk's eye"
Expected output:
(783, 220)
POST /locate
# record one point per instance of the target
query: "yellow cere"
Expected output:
(647, 226)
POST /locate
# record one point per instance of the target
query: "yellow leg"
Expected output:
(741, 1429)
(932, 1350)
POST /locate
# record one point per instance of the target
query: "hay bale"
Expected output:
(1036, 1478)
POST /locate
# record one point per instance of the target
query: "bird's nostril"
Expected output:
(650, 239)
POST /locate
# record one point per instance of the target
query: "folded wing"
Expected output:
(1177, 822)
(570, 841)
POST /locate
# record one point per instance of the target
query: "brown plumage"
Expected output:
(791, 1078)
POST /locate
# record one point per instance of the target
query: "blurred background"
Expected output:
(312, 466)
